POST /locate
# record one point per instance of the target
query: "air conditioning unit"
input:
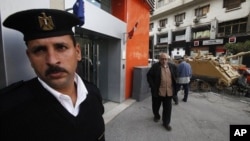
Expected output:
(222, 34)
(196, 20)
(177, 24)
(159, 28)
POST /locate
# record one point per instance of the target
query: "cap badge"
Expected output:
(46, 22)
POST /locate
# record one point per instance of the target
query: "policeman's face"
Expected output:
(54, 60)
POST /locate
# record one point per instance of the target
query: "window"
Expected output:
(160, 3)
(231, 4)
(95, 2)
(179, 18)
(233, 27)
(202, 11)
(163, 22)
(243, 28)
(169, 1)
(151, 26)
(201, 34)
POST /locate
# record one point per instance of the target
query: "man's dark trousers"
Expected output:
(185, 88)
(167, 107)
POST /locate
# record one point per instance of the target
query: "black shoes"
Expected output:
(175, 99)
(156, 119)
(184, 100)
(168, 127)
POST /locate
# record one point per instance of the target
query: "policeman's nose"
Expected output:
(52, 57)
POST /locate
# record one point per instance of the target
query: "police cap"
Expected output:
(42, 23)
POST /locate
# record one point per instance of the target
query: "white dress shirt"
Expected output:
(65, 100)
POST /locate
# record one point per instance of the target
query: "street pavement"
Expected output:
(206, 116)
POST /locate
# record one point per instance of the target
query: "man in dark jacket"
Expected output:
(162, 80)
(57, 105)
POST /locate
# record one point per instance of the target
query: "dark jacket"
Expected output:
(29, 112)
(154, 77)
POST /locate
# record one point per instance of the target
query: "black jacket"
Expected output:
(29, 112)
(154, 77)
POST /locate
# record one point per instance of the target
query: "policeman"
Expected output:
(57, 104)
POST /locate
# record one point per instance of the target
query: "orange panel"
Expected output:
(132, 12)
(138, 45)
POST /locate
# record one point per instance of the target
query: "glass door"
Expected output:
(88, 67)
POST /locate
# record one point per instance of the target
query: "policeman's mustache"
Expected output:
(54, 69)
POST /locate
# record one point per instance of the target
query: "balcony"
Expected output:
(170, 7)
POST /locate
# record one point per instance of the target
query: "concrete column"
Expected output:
(188, 34)
(213, 28)
(170, 37)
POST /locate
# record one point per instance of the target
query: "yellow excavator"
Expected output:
(208, 70)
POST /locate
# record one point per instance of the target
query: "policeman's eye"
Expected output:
(39, 49)
(61, 47)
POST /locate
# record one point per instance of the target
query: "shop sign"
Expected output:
(196, 43)
(212, 42)
(232, 39)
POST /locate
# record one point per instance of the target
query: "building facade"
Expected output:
(186, 27)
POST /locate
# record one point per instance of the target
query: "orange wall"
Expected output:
(138, 47)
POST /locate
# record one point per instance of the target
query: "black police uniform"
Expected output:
(29, 112)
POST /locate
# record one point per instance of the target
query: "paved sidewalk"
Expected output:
(112, 109)
(205, 117)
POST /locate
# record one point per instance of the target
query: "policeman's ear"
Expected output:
(78, 52)
(28, 54)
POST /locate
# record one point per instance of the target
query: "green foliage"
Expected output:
(235, 48)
